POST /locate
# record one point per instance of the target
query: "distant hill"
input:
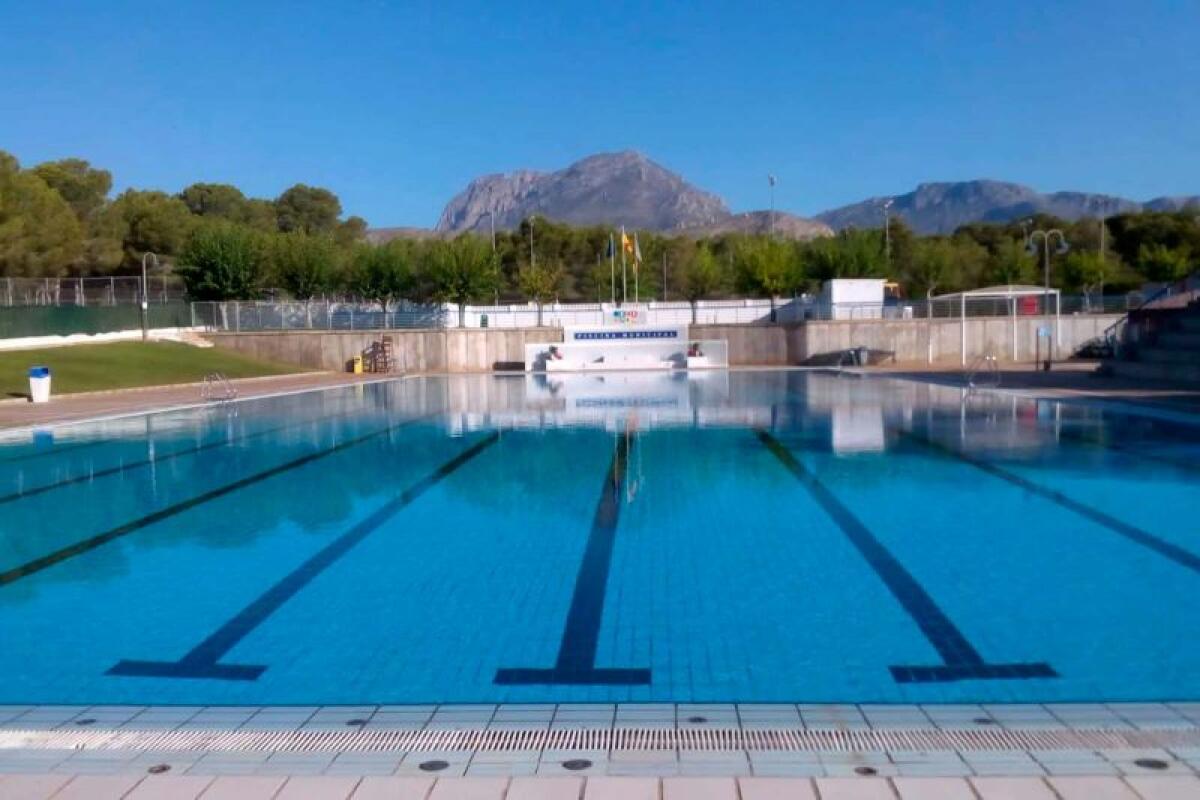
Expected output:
(788, 226)
(381, 235)
(943, 207)
(623, 188)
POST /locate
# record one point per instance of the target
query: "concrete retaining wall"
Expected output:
(480, 350)
(940, 341)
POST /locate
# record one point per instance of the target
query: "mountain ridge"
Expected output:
(941, 207)
(628, 188)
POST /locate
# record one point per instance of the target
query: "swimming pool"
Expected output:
(750, 536)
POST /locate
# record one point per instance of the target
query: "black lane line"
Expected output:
(1129, 451)
(1179, 555)
(576, 662)
(961, 660)
(52, 450)
(187, 451)
(92, 542)
(202, 661)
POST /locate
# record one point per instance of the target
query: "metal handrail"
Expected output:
(1113, 335)
(216, 388)
(987, 364)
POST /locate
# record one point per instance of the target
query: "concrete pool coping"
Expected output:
(720, 751)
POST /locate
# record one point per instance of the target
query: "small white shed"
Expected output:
(853, 298)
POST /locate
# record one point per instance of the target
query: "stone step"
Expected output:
(1168, 355)
(1149, 370)
(1179, 340)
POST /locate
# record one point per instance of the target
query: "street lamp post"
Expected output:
(146, 295)
(492, 219)
(887, 232)
(771, 219)
(1031, 248)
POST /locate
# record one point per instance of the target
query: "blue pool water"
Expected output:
(750, 536)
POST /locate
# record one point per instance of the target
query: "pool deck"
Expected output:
(19, 413)
(545, 752)
(1071, 380)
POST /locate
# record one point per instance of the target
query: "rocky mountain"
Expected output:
(623, 188)
(788, 226)
(381, 235)
(942, 207)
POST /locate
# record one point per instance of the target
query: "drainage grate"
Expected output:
(608, 739)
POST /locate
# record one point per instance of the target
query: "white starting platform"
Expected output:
(626, 347)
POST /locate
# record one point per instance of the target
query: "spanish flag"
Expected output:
(632, 249)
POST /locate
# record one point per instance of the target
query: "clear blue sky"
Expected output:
(395, 106)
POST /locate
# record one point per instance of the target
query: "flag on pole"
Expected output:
(609, 252)
(626, 242)
(637, 254)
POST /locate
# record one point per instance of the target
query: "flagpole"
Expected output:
(637, 267)
(624, 275)
(612, 271)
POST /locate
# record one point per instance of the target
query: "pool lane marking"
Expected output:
(961, 661)
(203, 660)
(1179, 555)
(92, 542)
(576, 664)
(1076, 436)
(103, 473)
(65, 448)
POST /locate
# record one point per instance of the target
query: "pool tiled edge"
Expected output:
(651, 740)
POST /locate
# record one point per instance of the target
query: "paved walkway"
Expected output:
(1068, 380)
(73, 407)
(340, 787)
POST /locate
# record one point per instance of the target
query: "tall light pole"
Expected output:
(887, 232)
(146, 295)
(771, 219)
(1031, 248)
(492, 220)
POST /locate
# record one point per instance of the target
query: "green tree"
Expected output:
(260, 215)
(223, 261)
(767, 266)
(540, 282)
(153, 222)
(1009, 263)
(39, 233)
(85, 189)
(461, 270)
(1087, 271)
(216, 200)
(302, 265)
(701, 276)
(308, 209)
(351, 231)
(383, 273)
(849, 254)
(1160, 262)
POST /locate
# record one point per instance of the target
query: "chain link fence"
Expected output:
(89, 292)
(327, 315)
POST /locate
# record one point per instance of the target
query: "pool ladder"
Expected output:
(984, 372)
(216, 388)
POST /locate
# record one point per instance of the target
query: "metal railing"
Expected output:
(235, 316)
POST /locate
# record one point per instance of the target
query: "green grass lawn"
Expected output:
(121, 365)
